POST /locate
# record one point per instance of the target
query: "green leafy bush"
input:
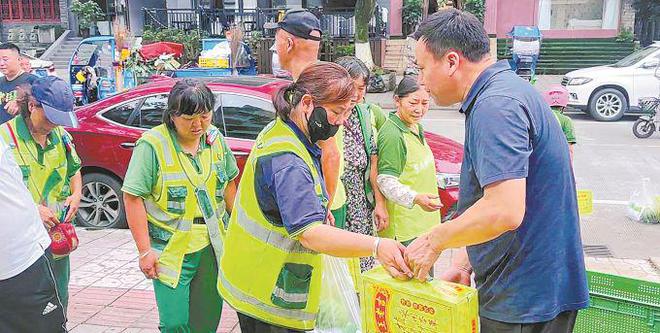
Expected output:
(411, 15)
(625, 35)
(87, 12)
(344, 50)
(476, 7)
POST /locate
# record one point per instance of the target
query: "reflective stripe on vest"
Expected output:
(286, 313)
(38, 178)
(285, 292)
(175, 203)
(270, 237)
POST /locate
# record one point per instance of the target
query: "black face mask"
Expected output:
(319, 127)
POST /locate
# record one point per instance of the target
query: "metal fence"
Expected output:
(336, 22)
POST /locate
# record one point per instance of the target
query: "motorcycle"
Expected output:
(649, 123)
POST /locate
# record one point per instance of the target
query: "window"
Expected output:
(579, 14)
(121, 114)
(30, 10)
(243, 116)
(636, 57)
(151, 111)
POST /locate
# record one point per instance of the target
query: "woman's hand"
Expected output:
(421, 256)
(330, 219)
(390, 255)
(149, 264)
(73, 202)
(381, 216)
(47, 216)
(428, 202)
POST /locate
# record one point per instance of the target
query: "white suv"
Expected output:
(608, 92)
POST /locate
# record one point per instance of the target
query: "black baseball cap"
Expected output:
(300, 23)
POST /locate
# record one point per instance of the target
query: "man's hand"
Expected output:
(428, 202)
(390, 255)
(381, 216)
(149, 265)
(421, 256)
(12, 108)
(457, 275)
(47, 216)
(73, 202)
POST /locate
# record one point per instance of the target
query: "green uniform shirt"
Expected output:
(392, 148)
(72, 160)
(379, 116)
(566, 126)
(143, 169)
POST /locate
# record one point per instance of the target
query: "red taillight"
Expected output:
(51, 69)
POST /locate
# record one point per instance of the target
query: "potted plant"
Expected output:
(88, 13)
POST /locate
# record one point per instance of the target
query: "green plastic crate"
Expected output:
(620, 305)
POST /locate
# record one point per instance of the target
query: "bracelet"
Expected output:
(142, 255)
(376, 243)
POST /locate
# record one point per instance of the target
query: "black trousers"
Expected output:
(251, 325)
(563, 323)
(29, 301)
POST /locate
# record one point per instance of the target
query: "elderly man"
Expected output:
(517, 210)
(297, 43)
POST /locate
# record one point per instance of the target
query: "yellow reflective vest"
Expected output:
(418, 174)
(264, 272)
(181, 195)
(48, 182)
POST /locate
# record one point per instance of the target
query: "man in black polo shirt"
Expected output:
(14, 76)
(517, 207)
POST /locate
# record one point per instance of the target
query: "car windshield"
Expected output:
(636, 57)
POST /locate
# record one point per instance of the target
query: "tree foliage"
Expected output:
(476, 7)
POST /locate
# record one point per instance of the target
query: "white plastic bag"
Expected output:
(340, 309)
(643, 206)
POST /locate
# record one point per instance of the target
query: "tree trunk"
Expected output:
(364, 11)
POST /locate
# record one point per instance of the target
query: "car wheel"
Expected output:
(608, 105)
(101, 205)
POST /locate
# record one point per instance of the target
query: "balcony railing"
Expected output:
(336, 22)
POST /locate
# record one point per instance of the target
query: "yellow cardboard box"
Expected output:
(393, 306)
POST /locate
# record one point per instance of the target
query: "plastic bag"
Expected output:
(340, 309)
(643, 206)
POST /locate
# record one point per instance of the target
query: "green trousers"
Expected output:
(194, 306)
(62, 271)
(340, 217)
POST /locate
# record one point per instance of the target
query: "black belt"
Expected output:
(199, 220)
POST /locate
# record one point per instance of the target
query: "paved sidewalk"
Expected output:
(108, 293)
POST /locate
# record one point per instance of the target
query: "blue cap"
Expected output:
(56, 98)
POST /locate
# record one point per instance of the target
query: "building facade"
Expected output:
(571, 19)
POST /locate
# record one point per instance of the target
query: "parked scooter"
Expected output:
(648, 123)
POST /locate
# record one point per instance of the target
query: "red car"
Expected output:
(109, 128)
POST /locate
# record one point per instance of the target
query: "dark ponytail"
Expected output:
(286, 98)
(407, 86)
